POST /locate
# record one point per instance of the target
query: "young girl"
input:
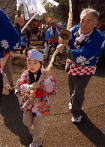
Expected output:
(33, 89)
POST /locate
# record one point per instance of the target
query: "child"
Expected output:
(34, 87)
(51, 38)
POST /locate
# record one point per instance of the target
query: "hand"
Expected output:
(69, 60)
(60, 48)
(32, 95)
(34, 86)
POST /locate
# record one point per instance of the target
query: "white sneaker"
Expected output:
(33, 145)
(70, 105)
(76, 119)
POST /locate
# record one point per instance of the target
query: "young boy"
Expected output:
(33, 89)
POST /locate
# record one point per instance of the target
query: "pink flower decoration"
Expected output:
(29, 53)
(80, 38)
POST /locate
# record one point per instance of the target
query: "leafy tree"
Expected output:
(59, 13)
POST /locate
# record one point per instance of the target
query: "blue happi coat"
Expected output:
(49, 33)
(9, 37)
(89, 51)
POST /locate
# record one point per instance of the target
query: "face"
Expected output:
(87, 23)
(33, 65)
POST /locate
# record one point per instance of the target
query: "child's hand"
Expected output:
(32, 95)
(34, 86)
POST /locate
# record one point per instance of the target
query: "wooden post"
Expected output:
(70, 18)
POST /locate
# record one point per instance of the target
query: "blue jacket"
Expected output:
(89, 51)
(9, 37)
(49, 34)
(24, 40)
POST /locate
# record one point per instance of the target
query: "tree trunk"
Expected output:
(9, 6)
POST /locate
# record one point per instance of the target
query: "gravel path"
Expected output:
(60, 132)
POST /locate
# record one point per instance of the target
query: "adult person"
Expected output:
(51, 38)
(86, 46)
(9, 38)
(19, 19)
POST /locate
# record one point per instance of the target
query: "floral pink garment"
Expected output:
(42, 103)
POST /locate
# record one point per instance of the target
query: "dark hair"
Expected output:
(52, 23)
(17, 25)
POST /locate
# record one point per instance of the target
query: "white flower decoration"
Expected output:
(80, 59)
(103, 44)
(87, 62)
(4, 44)
(80, 38)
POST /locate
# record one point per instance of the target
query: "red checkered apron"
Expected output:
(75, 69)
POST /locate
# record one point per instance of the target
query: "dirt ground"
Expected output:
(60, 132)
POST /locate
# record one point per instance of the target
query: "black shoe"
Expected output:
(11, 91)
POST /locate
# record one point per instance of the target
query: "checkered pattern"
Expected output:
(74, 69)
(34, 54)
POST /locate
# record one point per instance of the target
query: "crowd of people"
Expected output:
(36, 84)
(44, 31)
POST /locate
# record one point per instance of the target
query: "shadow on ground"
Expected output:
(100, 72)
(94, 134)
(13, 118)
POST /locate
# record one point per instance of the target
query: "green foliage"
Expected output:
(59, 13)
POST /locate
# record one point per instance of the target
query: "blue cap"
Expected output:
(34, 54)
